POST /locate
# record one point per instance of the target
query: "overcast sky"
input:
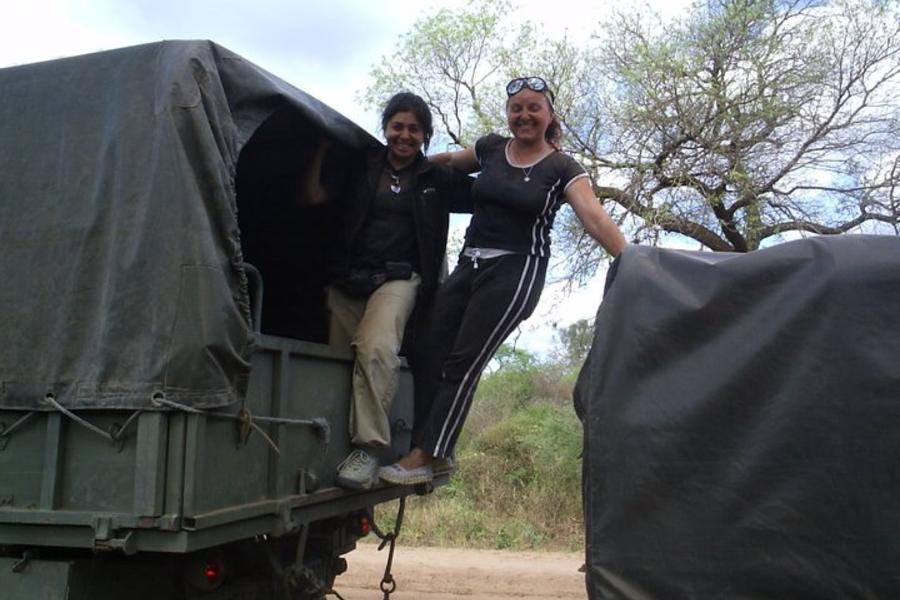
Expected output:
(325, 48)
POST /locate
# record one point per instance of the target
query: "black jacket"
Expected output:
(439, 190)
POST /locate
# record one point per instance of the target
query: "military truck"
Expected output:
(171, 415)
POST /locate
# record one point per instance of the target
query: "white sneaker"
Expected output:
(359, 471)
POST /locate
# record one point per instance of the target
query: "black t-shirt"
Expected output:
(510, 212)
(389, 232)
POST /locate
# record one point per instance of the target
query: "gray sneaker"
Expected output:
(359, 471)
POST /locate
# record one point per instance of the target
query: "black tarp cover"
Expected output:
(742, 424)
(120, 257)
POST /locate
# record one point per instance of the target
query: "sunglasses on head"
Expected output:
(535, 84)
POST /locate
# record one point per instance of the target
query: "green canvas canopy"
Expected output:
(120, 252)
(741, 418)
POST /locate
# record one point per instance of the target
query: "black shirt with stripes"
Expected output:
(515, 205)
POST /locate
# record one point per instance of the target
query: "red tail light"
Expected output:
(205, 572)
(365, 526)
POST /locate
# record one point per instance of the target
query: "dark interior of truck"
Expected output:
(288, 241)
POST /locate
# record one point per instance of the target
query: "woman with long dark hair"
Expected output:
(389, 258)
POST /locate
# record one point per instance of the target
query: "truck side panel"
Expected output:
(181, 480)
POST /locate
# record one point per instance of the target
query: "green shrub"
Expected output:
(518, 478)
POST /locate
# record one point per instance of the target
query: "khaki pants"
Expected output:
(374, 329)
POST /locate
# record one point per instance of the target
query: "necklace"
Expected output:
(395, 182)
(527, 173)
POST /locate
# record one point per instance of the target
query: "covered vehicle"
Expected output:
(156, 400)
(742, 424)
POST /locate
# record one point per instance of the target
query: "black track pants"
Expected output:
(474, 311)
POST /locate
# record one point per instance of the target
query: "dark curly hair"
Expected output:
(409, 102)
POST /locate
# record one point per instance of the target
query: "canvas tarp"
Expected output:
(742, 424)
(120, 256)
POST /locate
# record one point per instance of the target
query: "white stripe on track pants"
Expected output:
(474, 311)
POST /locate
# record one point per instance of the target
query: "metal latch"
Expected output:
(105, 539)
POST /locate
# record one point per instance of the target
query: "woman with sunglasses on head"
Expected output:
(390, 255)
(523, 181)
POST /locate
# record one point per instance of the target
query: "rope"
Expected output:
(244, 417)
(160, 400)
(321, 425)
(114, 436)
(7, 431)
(246, 420)
(117, 435)
(52, 401)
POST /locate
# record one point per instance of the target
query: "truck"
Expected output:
(171, 414)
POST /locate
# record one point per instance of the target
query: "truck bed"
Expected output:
(181, 481)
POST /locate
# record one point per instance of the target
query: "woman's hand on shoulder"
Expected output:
(461, 160)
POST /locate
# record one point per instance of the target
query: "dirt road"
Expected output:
(453, 574)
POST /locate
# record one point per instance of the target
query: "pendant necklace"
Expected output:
(395, 182)
(527, 173)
